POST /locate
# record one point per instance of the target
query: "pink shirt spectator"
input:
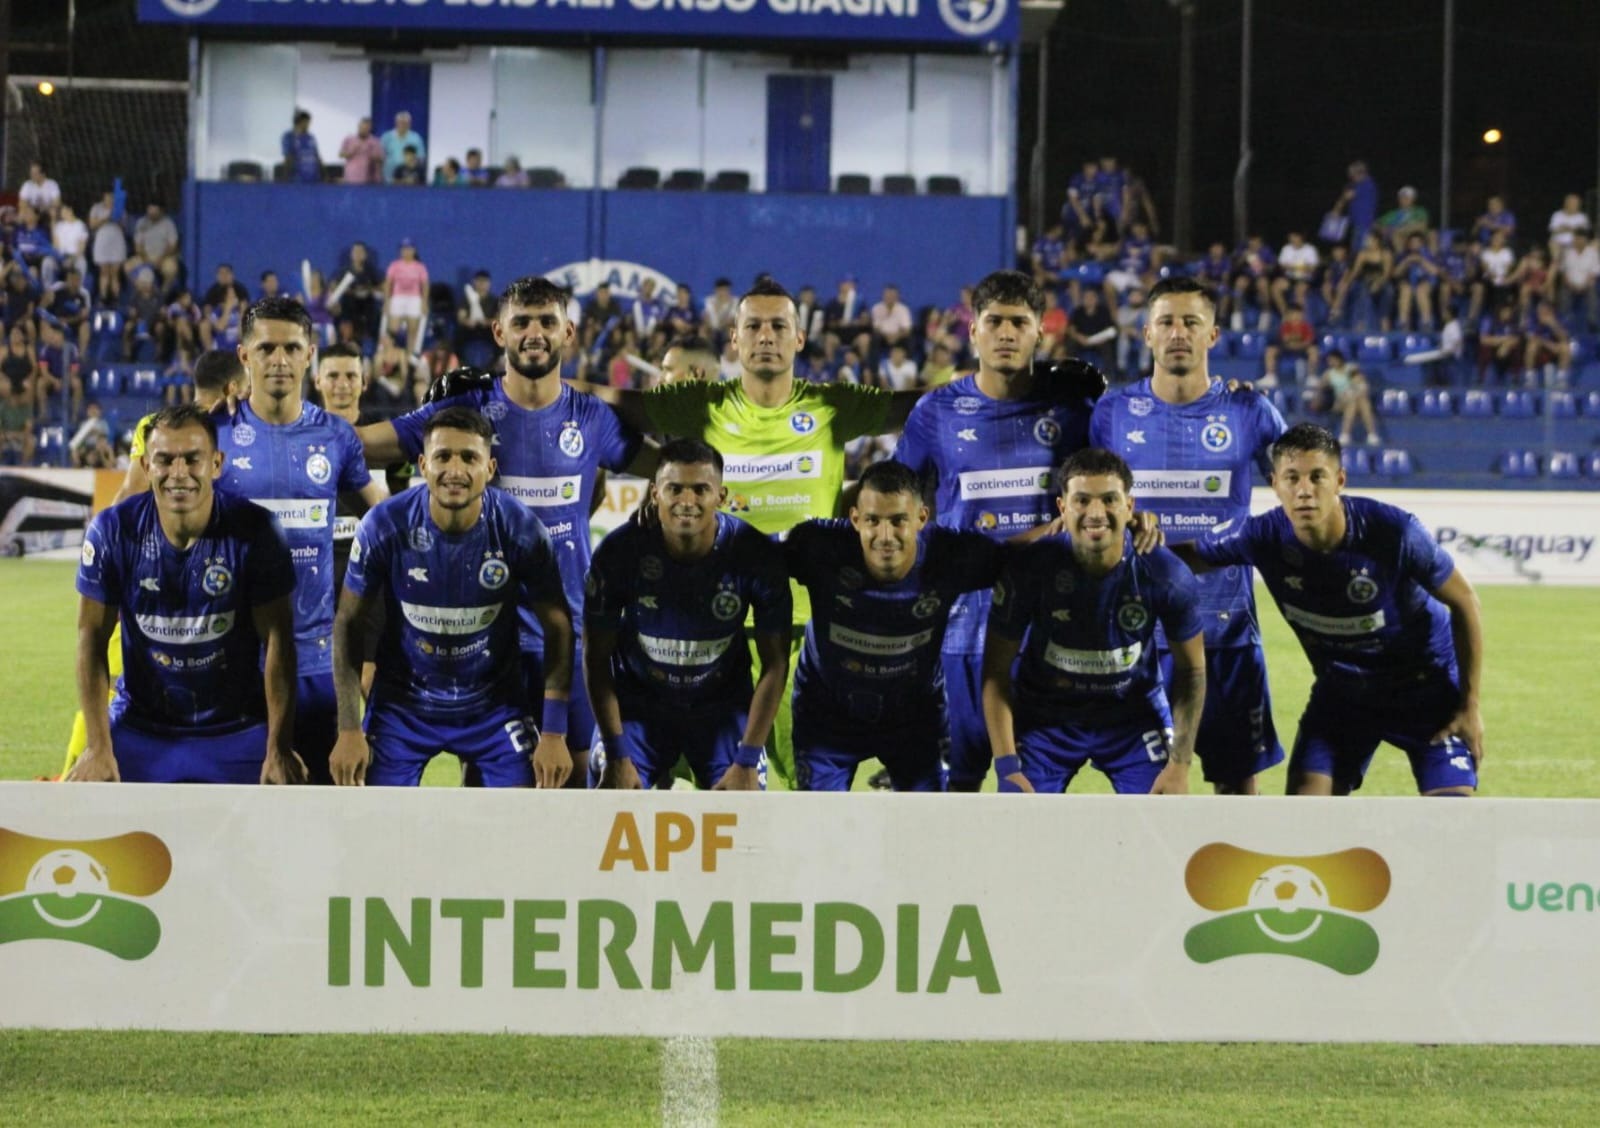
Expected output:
(407, 279)
(363, 159)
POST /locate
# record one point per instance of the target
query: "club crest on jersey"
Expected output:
(244, 435)
(727, 605)
(319, 469)
(494, 574)
(421, 540)
(1066, 583)
(968, 405)
(925, 606)
(217, 580)
(1132, 616)
(850, 579)
(495, 410)
(1047, 432)
(1361, 589)
(650, 567)
(803, 422)
(1141, 406)
(571, 441)
(1217, 437)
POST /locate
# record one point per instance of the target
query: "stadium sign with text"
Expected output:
(976, 22)
(833, 916)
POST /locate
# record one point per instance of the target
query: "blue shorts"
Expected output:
(498, 745)
(826, 757)
(1339, 735)
(1237, 738)
(1131, 752)
(969, 756)
(316, 723)
(705, 740)
(580, 717)
(145, 757)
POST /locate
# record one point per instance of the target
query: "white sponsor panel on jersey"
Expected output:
(543, 492)
(684, 651)
(975, 485)
(1341, 625)
(1181, 483)
(298, 512)
(1118, 660)
(879, 646)
(449, 620)
(771, 467)
(184, 630)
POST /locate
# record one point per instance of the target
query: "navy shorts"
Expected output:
(1237, 738)
(705, 740)
(145, 757)
(580, 717)
(1131, 752)
(1339, 734)
(826, 756)
(498, 744)
(970, 756)
(316, 723)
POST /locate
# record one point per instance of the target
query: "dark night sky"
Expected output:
(1334, 80)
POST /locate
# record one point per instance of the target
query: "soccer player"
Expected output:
(664, 648)
(1081, 610)
(1390, 625)
(295, 459)
(550, 442)
(1191, 443)
(991, 442)
(450, 565)
(882, 585)
(200, 582)
(340, 378)
(783, 437)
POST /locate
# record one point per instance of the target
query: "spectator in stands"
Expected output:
(357, 290)
(647, 310)
(1052, 323)
(1298, 263)
(437, 359)
(1366, 293)
(19, 301)
(891, 320)
(848, 314)
(16, 430)
(145, 314)
(59, 366)
(1111, 189)
(808, 314)
(601, 314)
(1331, 281)
(682, 319)
(512, 175)
(396, 375)
(39, 192)
(1135, 258)
(957, 323)
(315, 300)
(1296, 343)
(1499, 262)
(897, 371)
(475, 175)
(1415, 275)
(1141, 205)
(395, 143)
(449, 175)
(270, 286)
(1495, 217)
(300, 151)
(1566, 221)
(31, 242)
(721, 308)
(1350, 397)
(689, 358)
(1500, 343)
(363, 156)
(1533, 279)
(1048, 249)
(1079, 213)
(1215, 269)
(1133, 354)
(1548, 343)
(20, 367)
(221, 322)
(91, 443)
(1255, 269)
(1576, 280)
(411, 172)
(109, 249)
(185, 316)
(223, 285)
(940, 368)
(475, 315)
(68, 301)
(1460, 282)
(1405, 219)
(156, 244)
(1359, 201)
(405, 295)
(70, 237)
(1090, 329)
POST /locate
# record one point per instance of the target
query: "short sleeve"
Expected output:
(369, 555)
(353, 473)
(99, 577)
(1422, 558)
(1100, 424)
(408, 427)
(617, 443)
(798, 547)
(682, 408)
(605, 594)
(1008, 613)
(979, 560)
(916, 445)
(857, 410)
(769, 586)
(536, 563)
(271, 567)
(1226, 543)
(1179, 612)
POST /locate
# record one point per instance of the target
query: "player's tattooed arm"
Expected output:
(552, 761)
(95, 623)
(772, 651)
(598, 647)
(1466, 631)
(380, 442)
(350, 757)
(1187, 691)
(999, 653)
(274, 624)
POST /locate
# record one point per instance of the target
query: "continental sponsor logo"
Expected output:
(878, 646)
(1182, 483)
(1342, 626)
(683, 651)
(541, 493)
(450, 620)
(83, 891)
(978, 485)
(298, 512)
(1093, 662)
(772, 467)
(184, 630)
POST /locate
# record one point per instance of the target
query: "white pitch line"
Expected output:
(690, 1093)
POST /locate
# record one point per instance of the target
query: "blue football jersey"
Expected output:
(1192, 467)
(297, 470)
(191, 658)
(547, 460)
(449, 646)
(1088, 643)
(995, 463)
(682, 642)
(1362, 612)
(871, 652)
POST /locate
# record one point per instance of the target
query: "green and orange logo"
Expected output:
(1286, 905)
(85, 891)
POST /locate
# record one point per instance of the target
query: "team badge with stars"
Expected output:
(318, 468)
(1066, 582)
(495, 410)
(1132, 616)
(493, 573)
(1217, 436)
(925, 606)
(216, 580)
(1047, 432)
(1141, 406)
(1362, 588)
(244, 435)
(571, 440)
(726, 604)
(803, 422)
(650, 567)
(421, 539)
(968, 405)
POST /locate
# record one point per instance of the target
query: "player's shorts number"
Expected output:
(1155, 744)
(517, 731)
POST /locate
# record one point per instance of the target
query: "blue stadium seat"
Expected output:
(1357, 460)
(145, 382)
(1519, 464)
(1090, 273)
(1395, 463)
(1563, 464)
(104, 380)
(1375, 349)
(1477, 404)
(1276, 397)
(52, 445)
(1591, 465)
(1337, 342)
(1589, 403)
(1414, 343)
(1250, 346)
(1563, 404)
(1395, 401)
(1437, 403)
(1518, 404)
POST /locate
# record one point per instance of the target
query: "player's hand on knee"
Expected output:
(1173, 780)
(1147, 534)
(621, 775)
(95, 766)
(1008, 770)
(349, 759)
(1467, 727)
(284, 768)
(738, 779)
(552, 762)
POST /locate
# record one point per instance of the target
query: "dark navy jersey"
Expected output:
(871, 652)
(547, 460)
(449, 644)
(681, 639)
(1362, 612)
(297, 470)
(995, 463)
(1088, 643)
(191, 658)
(1192, 467)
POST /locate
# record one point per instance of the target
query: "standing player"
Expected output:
(1081, 610)
(449, 565)
(200, 582)
(293, 458)
(550, 441)
(1191, 443)
(882, 585)
(664, 650)
(1389, 623)
(992, 441)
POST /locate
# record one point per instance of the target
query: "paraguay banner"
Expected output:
(836, 916)
(975, 22)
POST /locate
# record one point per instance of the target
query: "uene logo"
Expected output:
(87, 892)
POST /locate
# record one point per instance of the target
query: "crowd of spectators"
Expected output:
(399, 155)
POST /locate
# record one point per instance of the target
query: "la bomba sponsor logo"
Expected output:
(1306, 906)
(81, 891)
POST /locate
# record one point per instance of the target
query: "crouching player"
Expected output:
(201, 581)
(664, 646)
(1390, 625)
(871, 681)
(450, 565)
(1082, 608)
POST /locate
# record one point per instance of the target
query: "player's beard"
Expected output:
(532, 370)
